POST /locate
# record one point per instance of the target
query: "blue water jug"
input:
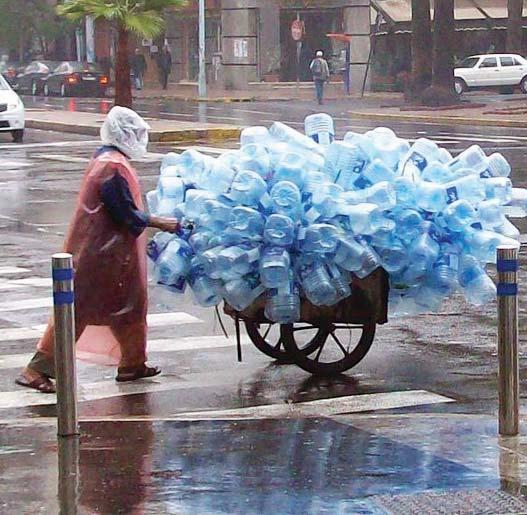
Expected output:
(320, 128)
(286, 199)
(173, 265)
(249, 189)
(279, 231)
(275, 267)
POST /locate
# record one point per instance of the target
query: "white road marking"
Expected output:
(173, 318)
(176, 115)
(4, 163)
(191, 343)
(63, 159)
(10, 286)
(39, 282)
(205, 150)
(10, 334)
(50, 144)
(23, 304)
(12, 270)
(323, 407)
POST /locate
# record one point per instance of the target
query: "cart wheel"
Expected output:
(344, 347)
(267, 339)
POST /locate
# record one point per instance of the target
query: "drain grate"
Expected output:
(465, 502)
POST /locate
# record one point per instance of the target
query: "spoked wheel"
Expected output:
(268, 339)
(343, 348)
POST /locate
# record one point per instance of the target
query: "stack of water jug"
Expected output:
(290, 216)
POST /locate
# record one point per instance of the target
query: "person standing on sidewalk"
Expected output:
(138, 65)
(165, 66)
(108, 244)
(320, 70)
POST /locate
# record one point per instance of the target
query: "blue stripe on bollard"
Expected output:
(507, 289)
(507, 265)
(61, 298)
(62, 274)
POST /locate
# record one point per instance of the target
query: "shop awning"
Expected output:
(400, 11)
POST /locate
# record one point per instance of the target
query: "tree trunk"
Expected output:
(514, 26)
(442, 90)
(421, 45)
(123, 85)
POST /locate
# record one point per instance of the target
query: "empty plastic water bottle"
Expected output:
(477, 286)
(286, 199)
(279, 231)
(473, 158)
(173, 265)
(206, 290)
(214, 215)
(237, 261)
(275, 267)
(256, 158)
(216, 178)
(194, 200)
(314, 183)
(241, 293)
(256, 134)
(283, 305)
(171, 193)
(482, 244)
(405, 191)
(497, 166)
(290, 168)
(169, 160)
(320, 128)
(193, 164)
(430, 196)
(249, 189)
(199, 241)
(209, 260)
(517, 207)
(319, 238)
(469, 187)
(377, 171)
(382, 194)
(286, 134)
(383, 143)
(245, 225)
(393, 256)
(499, 188)
(459, 215)
(317, 284)
(345, 163)
(158, 244)
(325, 204)
(350, 254)
(340, 282)
(366, 219)
(152, 201)
(421, 154)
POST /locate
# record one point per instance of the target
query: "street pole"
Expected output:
(64, 321)
(508, 371)
(202, 81)
(90, 39)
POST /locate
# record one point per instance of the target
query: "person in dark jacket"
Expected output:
(138, 66)
(164, 62)
(320, 70)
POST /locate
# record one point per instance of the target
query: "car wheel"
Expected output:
(523, 85)
(34, 88)
(63, 90)
(460, 86)
(46, 90)
(18, 135)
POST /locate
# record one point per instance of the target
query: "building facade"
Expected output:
(250, 41)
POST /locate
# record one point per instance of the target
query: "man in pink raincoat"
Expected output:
(107, 240)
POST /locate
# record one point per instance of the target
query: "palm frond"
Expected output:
(147, 24)
(158, 5)
(76, 9)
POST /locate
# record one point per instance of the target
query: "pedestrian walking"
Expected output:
(138, 66)
(320, 71)
(108, 244)
(164, 62)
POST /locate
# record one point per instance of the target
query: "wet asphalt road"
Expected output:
(135, 459)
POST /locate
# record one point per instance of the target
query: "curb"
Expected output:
(216, 134)
(456, 120)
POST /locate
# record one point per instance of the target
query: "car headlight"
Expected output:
(14, 104)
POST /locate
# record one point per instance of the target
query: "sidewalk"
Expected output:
(162, 130)
(259, 91)
(502, 113)
(379, 464)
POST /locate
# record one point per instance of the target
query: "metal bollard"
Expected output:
(68, 484)
(508, 372)
(64, 312)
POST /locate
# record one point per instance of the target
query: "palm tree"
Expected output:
(514, 26)
(421, 45)
(141, 17)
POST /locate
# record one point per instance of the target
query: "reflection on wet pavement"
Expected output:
(301, 466)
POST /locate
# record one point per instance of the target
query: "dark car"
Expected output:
(75, 78)
(31, 78)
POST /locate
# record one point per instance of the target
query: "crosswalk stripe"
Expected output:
(174, 318)
(157, 346)
(23, 304)
(12, 270)
(323, 407)
(43, 282)
(50, 144)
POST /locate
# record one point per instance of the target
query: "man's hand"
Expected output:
(171, 225)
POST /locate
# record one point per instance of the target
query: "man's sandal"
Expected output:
(41, 384)
(133, 373)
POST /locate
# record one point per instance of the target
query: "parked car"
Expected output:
(76, 78)
(10, 72)
(491, 70)
(30, 79)
(12, 112)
